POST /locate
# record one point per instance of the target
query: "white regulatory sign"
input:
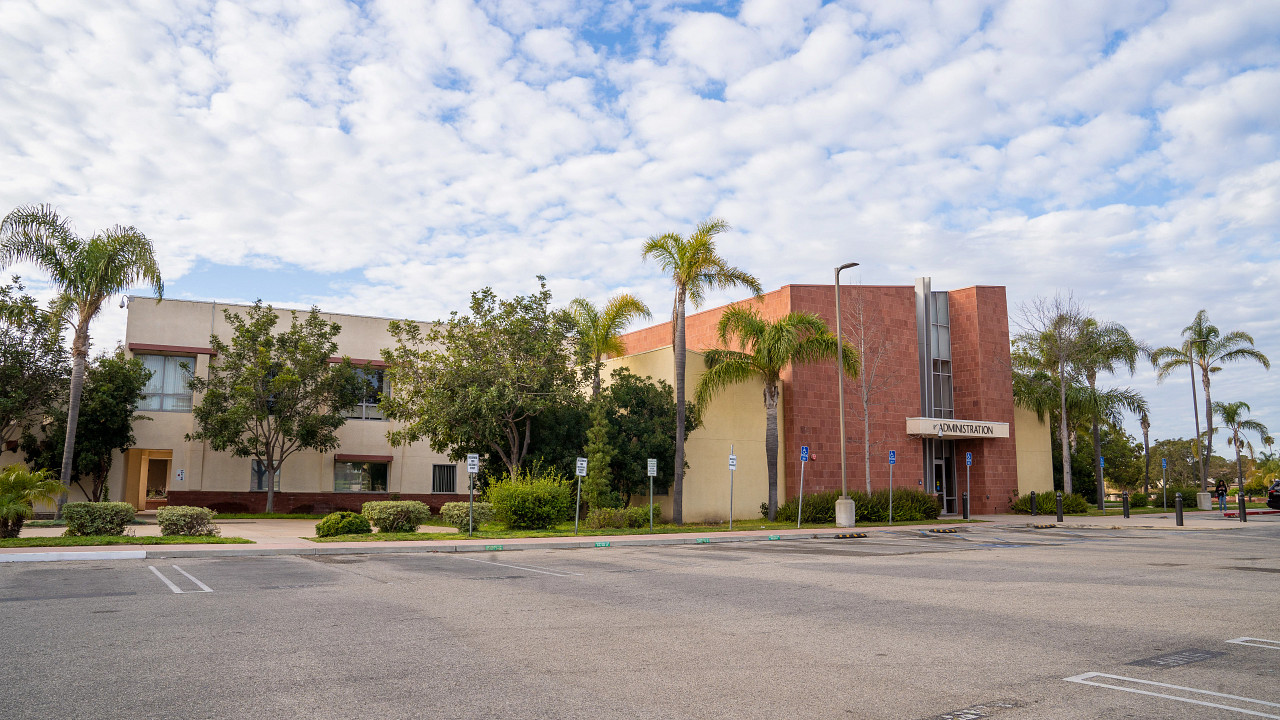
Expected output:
(473, 463)
(582, 467)
(733, 462)
(182, 474)
(653, 467)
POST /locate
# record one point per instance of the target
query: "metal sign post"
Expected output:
(968, 461)
(1102, 486)
(577, 507)
(653, 471)
(473, 467)
(893, 460)
(804, 459)
(733, 464)
(1164, 480)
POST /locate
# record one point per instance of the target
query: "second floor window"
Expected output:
(367, 408)
(168, 388)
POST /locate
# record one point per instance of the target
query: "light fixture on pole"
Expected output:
(844, 506)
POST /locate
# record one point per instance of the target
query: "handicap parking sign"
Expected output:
(893, 456)
(804, 453)
(968, 458)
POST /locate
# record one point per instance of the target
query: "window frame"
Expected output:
(364, 487)
(162, 397)
(364, 409)
(453, 481)
(258, 476)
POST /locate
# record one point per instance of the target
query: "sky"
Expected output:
(388, 158)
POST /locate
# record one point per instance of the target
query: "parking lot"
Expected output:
(999, 622)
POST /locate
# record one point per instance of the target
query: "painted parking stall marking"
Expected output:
(1175, 659)
(174, 586)
(976, 712)
(1257, 642)
(529, 568)
(1194, 696)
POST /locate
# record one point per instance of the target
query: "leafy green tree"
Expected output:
(112, 390)
(642, 420)
(599, 329)
(270, 395)
(20, 489)
(1207, 348)
(597, 489)
(87, 272)
(477, 382)
(694, 267)
(1234, 420)
(765, 350)
(33, 361)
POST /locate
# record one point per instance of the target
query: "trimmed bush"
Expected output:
(818, 508)
(1188, 495)
(638, 515)
(908, 505)
(186, 520)
(343, 523)
(396, 516)
(455, 513)
(628, 517)
(97, 518)
(531, 501)
(1138, 500)
(1047, 504)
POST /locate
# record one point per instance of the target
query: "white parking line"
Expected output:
(177, 590)
(517, 567)
(1257, 642)
(1086, 679)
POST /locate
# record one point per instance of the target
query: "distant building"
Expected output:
(943, 388)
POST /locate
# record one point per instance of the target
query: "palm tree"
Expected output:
(20, 489)
(1167, 359)
(1207, 348)
(599, 330)
(1050, 346)
(694, 267)
(87, 272)
(1233, 419)
(1104, 348)
(1145, 421)
(765, 349)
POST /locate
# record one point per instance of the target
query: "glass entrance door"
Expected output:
(944, 477)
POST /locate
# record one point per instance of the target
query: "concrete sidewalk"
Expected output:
(285, 537)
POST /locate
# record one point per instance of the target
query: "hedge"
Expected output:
(1047, 504)
(344, 522)
(908, 505)
(458, 514)
(97, 518)
(186, 520)
(531, 502)
(396, 516)
(628, 517)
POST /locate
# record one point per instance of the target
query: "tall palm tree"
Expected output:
(765, 349)
(599, 329)
(1051, 347)
(694, 267)
(87, 272)
(1145, 421)
(1167, 359)
(1105, 347)
(1234, 420)
(1207, 348)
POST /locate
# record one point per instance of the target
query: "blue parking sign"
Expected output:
(968, 458)
(1164, 462)
(1102, 462)
(804, 453)
(893, 456)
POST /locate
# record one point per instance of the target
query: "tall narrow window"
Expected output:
(367, 408)
(168, 390)
(258, 477)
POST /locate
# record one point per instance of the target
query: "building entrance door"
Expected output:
(944, 481)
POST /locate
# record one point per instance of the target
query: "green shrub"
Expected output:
(638, 515)
(531, 500)
(1188, 495)
(97, 518)
(19, 490)
(343, 523)
(456, 514)
(186, 520)
(908, 505)
(396, 516)
(1257, 486)
(1138, 500)
(1047, 504)
(628, 517)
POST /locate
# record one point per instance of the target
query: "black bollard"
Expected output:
(1177, 507)
(1059, 507)
(1125, 500)
(966, 505)
(1034, 510)
(1244, 516)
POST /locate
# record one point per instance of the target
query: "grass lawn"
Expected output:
(265, 516)
(83, 540)
(495, 531)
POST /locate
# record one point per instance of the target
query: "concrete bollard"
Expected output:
(1177, 507)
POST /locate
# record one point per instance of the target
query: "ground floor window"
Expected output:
(360, 477)
(444, 478)
(258, 477)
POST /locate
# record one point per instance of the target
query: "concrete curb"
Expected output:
(78, 555)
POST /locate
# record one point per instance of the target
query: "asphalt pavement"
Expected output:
(990, 621)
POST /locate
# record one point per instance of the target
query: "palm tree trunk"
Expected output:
(1195, 412)
(771, 445)
(1239, 467)
(79, 358)
(1146, 454)
(677, 483)
(1062, 429)
(1208, 428)
(1097, 459)
(595, 380)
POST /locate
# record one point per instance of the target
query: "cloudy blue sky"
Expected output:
(387, 158)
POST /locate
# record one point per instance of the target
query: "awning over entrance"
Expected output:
(954, 429)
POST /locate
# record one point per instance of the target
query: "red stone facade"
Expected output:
(883, 319)
(295, 502)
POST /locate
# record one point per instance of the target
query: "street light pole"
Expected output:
(844, 509)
